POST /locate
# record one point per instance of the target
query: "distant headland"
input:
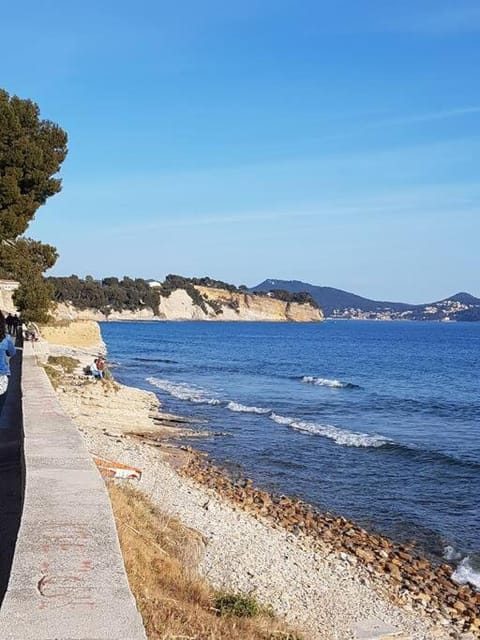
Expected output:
(176, 298)
(181, 298)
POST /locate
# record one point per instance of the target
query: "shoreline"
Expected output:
(311, 554)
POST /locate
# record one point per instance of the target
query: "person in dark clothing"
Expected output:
(15, 325)
(9, 322)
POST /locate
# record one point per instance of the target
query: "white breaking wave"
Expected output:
(326, 382)
(241, 408)
(450, 553)
(340, 436)
(465, 572)
(183, 391)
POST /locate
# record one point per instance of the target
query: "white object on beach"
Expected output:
(375, 629)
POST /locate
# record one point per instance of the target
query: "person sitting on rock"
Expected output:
(97, 375)
(101, 366)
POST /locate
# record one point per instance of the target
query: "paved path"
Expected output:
(11, 477)
(67, 580)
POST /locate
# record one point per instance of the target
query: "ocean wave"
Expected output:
(241, 408)
(184, 391)
(468, 571)
(327, 382)
(340, 436)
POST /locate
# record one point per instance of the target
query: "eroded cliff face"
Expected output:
(81, 334)
(66, 311)
(245, 306)
(216, 305)
(180, 306)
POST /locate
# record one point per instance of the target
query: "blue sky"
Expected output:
(333, 142)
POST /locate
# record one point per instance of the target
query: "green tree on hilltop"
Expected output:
(31, 153)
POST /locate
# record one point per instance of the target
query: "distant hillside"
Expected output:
(462, 298)
(176, 298)
(337, 303)
(328, 298)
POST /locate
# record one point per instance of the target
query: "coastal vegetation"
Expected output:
(57, 367)
(107, 295)
(160, 555)
(31, 153)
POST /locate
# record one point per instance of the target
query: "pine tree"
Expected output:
(31, 153)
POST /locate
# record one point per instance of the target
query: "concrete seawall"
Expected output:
(67, 580)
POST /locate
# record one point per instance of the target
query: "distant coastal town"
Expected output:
(444, 311)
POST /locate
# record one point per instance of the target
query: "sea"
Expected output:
(375, 421)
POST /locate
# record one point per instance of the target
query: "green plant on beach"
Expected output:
(161, 556)
(57, 367)
(54, 375)
(239, 605)
(66, 363)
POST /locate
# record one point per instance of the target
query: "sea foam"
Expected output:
(340, 436)
(184, 391)
(468, 571)
(327, 382)
(241, 408)
(450, 553)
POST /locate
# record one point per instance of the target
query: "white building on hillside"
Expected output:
(154, 283)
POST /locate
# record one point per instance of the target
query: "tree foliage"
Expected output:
(34, 298)
(107, 295)
(25, 260)
(286, 296)
(31, 153)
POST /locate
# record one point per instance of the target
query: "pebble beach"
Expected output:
(325, 576)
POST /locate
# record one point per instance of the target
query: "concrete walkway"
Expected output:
(11, 471)
(67, 580)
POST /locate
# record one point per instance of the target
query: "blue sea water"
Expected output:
(376, 421)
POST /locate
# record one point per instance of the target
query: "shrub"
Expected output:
(64, 362)
(241, 606)
(54, 375)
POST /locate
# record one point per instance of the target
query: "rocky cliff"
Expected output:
(209, 304)
(82, 335)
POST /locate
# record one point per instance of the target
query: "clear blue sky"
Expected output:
(333, 142)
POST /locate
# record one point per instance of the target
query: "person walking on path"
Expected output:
(9, 323)
(7, 350)
(15, 325)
